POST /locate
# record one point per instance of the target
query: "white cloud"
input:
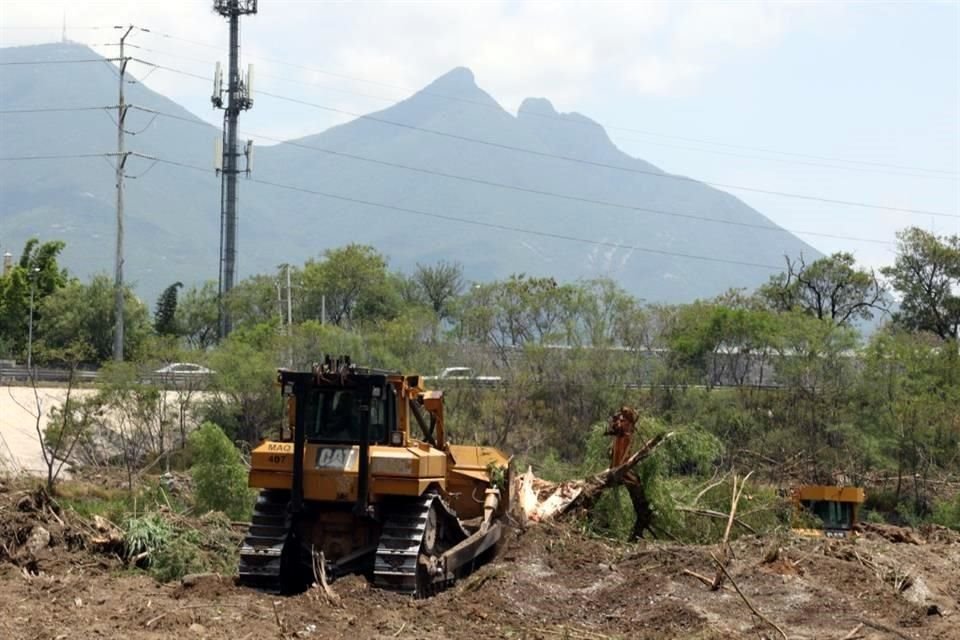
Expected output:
(562, 50)
(657, 76)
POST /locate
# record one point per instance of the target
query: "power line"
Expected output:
(501, 185)
(22, 62)
(560, 118)
(925, 173)
(543, 154)
(57, 28)
(73, 156)
(498, 145)
(55, 109)
(474, 222)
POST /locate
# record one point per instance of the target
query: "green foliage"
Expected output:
(569, 353)
(85, 313)
(175, 559)
(680, 461)
(947, 513)
(498, 476)
(197, 316)
(438, 286)
(165, 318)
(145, 534)
(927, 275)
(36, 273)
(246, 368)
(219, 474)
(170, 548)
(352, 284)
(830, 288)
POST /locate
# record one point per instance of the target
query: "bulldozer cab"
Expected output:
(335, 415)
(834, 510)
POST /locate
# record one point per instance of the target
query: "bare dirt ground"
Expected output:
(547, 582)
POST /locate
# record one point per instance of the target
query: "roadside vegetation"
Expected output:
(829, 373)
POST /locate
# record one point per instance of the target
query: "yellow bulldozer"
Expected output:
(349, 483)
(834, 510)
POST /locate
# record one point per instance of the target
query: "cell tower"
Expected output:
(239, 98)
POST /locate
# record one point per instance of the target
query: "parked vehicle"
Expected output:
(463, 374)
(184, 369)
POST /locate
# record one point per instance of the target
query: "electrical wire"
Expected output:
(73, 156)
(571, 159)
(24, 62)
(396, 165)
(644, 132)
(560, 118)
(478, 223)
(54, 109)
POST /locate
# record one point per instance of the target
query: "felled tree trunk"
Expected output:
(643, 513)
(539, 499)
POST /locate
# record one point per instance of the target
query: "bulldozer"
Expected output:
(834, 509)
(349, 488)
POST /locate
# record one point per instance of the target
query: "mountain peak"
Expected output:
(537, 106)
(458, 80)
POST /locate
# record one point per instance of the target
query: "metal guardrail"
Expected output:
(22, 374)
(167, 380)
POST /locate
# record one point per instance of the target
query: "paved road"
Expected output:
(19, 443)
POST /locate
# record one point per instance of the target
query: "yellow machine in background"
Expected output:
(350, 483)
(836, 507)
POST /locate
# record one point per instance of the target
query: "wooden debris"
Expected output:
(746, 601)
(725, 551)
(539, 500)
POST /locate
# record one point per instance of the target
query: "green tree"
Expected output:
(830, 288)
(439, 285)
(910, 394)
(37, 270)
(815, 364)
(352, 284)
(85, 312)
(197, 316)
(510, 313)
(245, 401)
(927, 276)
(219, 473)
(721, 345)
(255, 300)
(165, 319)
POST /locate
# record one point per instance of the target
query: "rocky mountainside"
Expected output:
(419, 159)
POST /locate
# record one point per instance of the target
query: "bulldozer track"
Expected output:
(412, 530)
(262, 552)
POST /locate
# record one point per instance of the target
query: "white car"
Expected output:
(184, 369)
(464, 374)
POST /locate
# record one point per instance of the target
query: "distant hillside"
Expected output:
(173, 213)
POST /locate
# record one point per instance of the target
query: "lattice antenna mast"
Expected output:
(239, 98)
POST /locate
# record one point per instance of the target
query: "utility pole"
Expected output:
(121, 162)
(289, 303)
(33, 286)
(238, 99)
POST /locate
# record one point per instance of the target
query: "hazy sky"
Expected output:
(865, 97)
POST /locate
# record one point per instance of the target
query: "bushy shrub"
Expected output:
(146, 536)
(219, 474)
(947, 513)
(169, 547)
(176, 559)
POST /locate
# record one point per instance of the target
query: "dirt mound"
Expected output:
(37, 536)
(548, 581)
